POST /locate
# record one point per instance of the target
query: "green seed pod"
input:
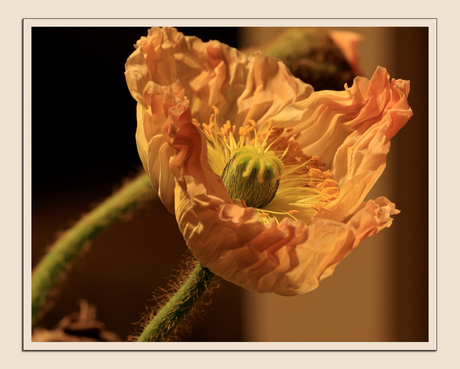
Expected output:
(253, 175)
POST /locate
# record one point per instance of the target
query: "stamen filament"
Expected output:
(301, 186)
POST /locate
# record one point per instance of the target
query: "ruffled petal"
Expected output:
(329, 242)
(361, 158)
(207, 74)
(153, 150)
(351, 130)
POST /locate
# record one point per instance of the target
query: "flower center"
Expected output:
(268, 171)
(253, 175)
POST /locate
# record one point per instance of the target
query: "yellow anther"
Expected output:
(268, 171)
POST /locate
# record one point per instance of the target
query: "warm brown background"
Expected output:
(83, 124)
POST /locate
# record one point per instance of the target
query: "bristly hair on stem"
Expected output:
(51, 270)
(183, 299)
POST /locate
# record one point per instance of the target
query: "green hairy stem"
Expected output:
(58, 260)
(174, 311)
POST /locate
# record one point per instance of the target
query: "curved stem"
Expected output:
(175, 310)
(57, 261)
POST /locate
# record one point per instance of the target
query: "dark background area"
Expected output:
(83, 114)
(83, 147)
(413, 173)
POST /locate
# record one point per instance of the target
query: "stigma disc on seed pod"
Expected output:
(253, 175)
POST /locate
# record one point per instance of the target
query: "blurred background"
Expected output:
(83, 147)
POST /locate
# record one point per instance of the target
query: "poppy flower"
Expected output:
(267, 179)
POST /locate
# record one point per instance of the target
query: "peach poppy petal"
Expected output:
(350, 130)
(136, 75)
(207, 74)
(153, 150)
(367, 147)
(269, 88)
(329, 242)
(213, 74)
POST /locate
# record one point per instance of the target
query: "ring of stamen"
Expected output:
(268, 171)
